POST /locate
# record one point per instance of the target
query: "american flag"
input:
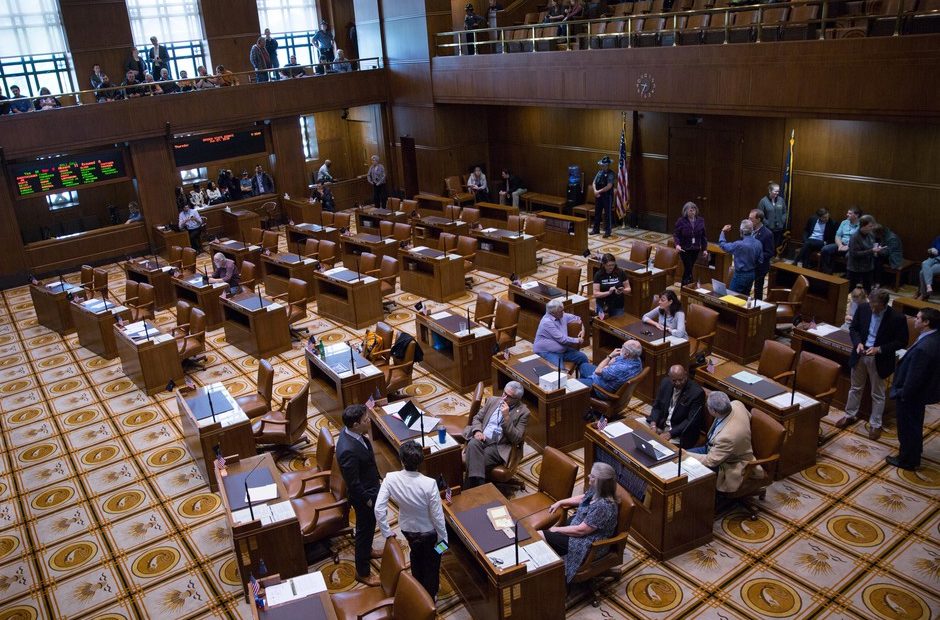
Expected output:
(370, 404)
(253, 584)
(601, 423)
(219, 458)
(622, 191)
(447, 494)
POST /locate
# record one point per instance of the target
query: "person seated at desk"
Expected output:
(420, 515)
(323, 174)
(192, 223)
(225, 270)
(595, 519)
(552, 342)
(747, 256)
(677, 413)
(728, 448)
(617, 368)
(610, 283)
(495, 429)
(134, 214)
(668, 306)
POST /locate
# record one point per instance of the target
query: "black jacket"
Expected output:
(829, 232)
(359, 470)
(689, 415)
(891, 336)
(916, 378)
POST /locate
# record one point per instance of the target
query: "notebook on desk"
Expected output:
(719, 287)
(477, 524)
(200, 405)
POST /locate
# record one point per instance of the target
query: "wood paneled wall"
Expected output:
(97, 32)
(231, 28)
(93, 202)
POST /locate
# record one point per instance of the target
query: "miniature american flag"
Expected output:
(219, 460)
(370, 404)
(601, 423)
(447, 493)
(253, 584)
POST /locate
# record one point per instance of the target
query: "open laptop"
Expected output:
(409, 414)
(649, 449)
(719, 287)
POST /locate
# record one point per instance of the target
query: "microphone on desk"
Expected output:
(260, 301)
(251, 512)
(352, 360)
(211, 408)
(421, 422)
(205, 275)
(146, 332)
(358, 273)
(679, 472)
(61, 281)
(468, 318)
(663, 313)
(566, 288)
(559, 373)
(796, 373)
(515, 527)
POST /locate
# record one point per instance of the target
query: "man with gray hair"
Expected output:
(495, 429)
(620, 366)
(746, 254)
(552, 342)
(728, 449)
(224, 270)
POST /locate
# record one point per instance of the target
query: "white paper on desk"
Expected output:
(282, 511)
(309, 584)
(480, 331)
(823, 329)
(262, 513)
(419, 248)
(540, 554)
(674, 340)
(279, 594)
(655, 270)
(162, 338)
(263, 493)
(507, 557)
(392, 240)
(764, 304)
(747, 377)
(437, 316)
(703, 291)
(368, 371)
(529, 358)
(134, 327)
(488, 230)
(616, 429)
(254, 247)
(782, 401)
(430, 423)
(117, 309)
(336, 348)
(528, 285)
(218, 284)
(231, 242)
(576, 299)
(573, 385)
(394, 407)
(453, 256)
(274, 306)
(449, 442)
(167, 268)
(367, 279)
(665, 471)
(308, 261)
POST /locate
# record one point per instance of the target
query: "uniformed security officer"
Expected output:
(603, 197)
(472, 21)
(324, 42)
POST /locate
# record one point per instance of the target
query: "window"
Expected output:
(33, 49)
(194, 175)
(177, 24)
(293, 23)
(308, 128)
(62, 200)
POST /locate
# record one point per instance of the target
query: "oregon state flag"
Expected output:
(787, 190)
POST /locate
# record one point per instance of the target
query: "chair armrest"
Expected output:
(607, 395)
(318, 509)
(397, 366)
(385, 602)
(470, 256)
(599, 544)
(485, 317)
(381, 353)
(789, 303)
(824, 395)
(184, 326)
(265, 422)
(372, 272)
(782, 375)
(281, 296)
(306, 479)
(505, 329)
(391, 277)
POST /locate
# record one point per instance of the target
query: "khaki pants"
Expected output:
(865, 372)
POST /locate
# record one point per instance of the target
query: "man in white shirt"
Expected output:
(323, 174)
(477, 185)
(420, 515)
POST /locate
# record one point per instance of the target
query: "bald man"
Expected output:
(678, 413)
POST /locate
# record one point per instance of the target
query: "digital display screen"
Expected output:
(193, 150)
(67, 172)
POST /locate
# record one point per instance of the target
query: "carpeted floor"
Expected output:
(103, 514)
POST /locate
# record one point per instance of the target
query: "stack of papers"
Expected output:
(528, 285)
(499, 517)
(782, 401)
(747, 377)
(823, 329)
(266, 513)
(480, 331)
(262, 493)
(295, 588)
(616, 429)
(534, 555)
(437, 316)
(703, 291)
(449, 442)
(529, 358)
(573, 385)
(691, 468)
(674, 340)
(274, 306)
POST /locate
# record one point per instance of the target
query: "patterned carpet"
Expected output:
(104, 515)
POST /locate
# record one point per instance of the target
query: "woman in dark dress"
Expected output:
(689, 235)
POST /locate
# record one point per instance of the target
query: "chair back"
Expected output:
(196, 339)
(452, 212)
(131, 291)
(265, 381)
(447, 242)
(386, 228)
(311, 247)
(255, 236)
(326, 448)
(297, 300)
(326, 218)
(297, 414)
(640, 252)
(386, 335)
(569, 278)
(341, 220)
(476, 403)
(388, 274)
(574, 328)
(173, 254)
(775, 359)
(471, 216)
(145, 300)
(798, 291)
(467, 246)
(392, 203)
(535, 226)
(912, 333)
(506, 320)
(247, 274)
(485, 309)
(514, 223)
(188, 260)
(402, 231)
(816, 375)
(183, 311)
(393, 563)
(452, 185)
(558, 474)
(327, 254)
(409, 205)
(269, 240)
(368, 262)
(88, 277)
(767, 437)
(700, 321)
(412, 601)
(505, 473)
(337, 482)
(100, 282)
(666, 259)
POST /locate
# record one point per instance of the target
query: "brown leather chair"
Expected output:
(355, 604)
(382, 354)
(535, 226)
(505, 475)
(142, 303)
(611, 405)
(88, 279)
(183, 311)
(327, 253)
(912, 334)
(192, 344)
(386, 228)
(368, 264)
(515, 223)
(505, 323)
(311, 248)
(485, 309)
(456, 423)
(314, 479)
(392, 203)
(257, 404)
(457, 191)
(325, 515)
(248, 275)
(452, 212)
(296, 298)
(269, 241)
(447, 242)
(255, 236)
(326, 218)
(789, 300)
(701, 323)
(667, 259)
(188, 260)
(766, 441)
(411, 602)
(471, 216)
(402, 232)
(640, 252)
(94, 280)
(607, 553)
(776, 361)
(467, 247)
(285, 426)
(174, 255)
(398, 373)
(817, 376)
(342, 220)
(569, 278)
(388, 276)
(556, 481)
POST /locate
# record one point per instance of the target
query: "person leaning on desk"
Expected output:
(728, 450)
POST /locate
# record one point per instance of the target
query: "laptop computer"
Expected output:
(719, 287)
(409, 414)
(648, 449)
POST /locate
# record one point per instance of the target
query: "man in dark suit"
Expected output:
(768, 250)
(499, 425)
(261, 182)
(159, 58)
(819, 231)
(915, 386)
(677, 413)
(357, 463)
(877, 331)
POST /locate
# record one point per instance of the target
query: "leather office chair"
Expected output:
(556, 481)
(506, 323)
(569, 278)
(912, 334)
(314, 479)
(392, 203)
(325, 515)
(701, 323)
(447, 242)
(409, 206)
(467, 248)
(515, 223)
(471, 216)
(142, 303)
(285, 426)
(326, 218)
(188, 260)
(88, 280)
(386, 228)
(789, 300)
(402, 232)
(355, 604)
(174, 255)
(766, 440)
(296, 298)
(398, 373)
(535, 226)
(457, 191)
(388, 279)
(311, 248)
(776, 361)
(817, 376)
(452, 212)
(456, 423)
(485, 309)
(411, 601)
(327, 254)
(183, 311)
(191, 345)
(640, 252)
(257, 404)
(247, 275)
(269, 241)
(505, 475)
(342, 220)
(368, 264)
(611, 405)
(100, 282)
(607, 554)
(381, 356)
(255, 236)
(667, 259)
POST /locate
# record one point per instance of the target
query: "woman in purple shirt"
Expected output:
(689, 236)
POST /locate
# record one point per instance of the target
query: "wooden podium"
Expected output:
(505, 252)
(459, 358)
(346, 297)
(645, 284)
(281, 267)
(353, 246)
(203, 296)
(431, 274)
(297, 235)
(94, 322)
(157, 274)
(566, 233)
(533, 296)
(346, 377)
(238, 223)
(742, 329)
(256, 325)
(51, 302)
(148, 356)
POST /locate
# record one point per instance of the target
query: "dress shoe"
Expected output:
(845, 422)
(376, 554)
(607, 236)
(874, 433)
(894, 462)
(368, 580)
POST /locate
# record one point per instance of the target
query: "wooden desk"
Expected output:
(94, 325)
(335, 377)
(493, 215)
(346, 297)
(319, 606)
(533, 296)
(390, 433)
(565, 233)
(658, 355)
(238, 252)
(157, 274)
(827, 295)
(368, 218)
(509, 593)
(203, 296)
(230, 429)
(645, 284)
(429, 204)
(298, 211)
(553, 203)
(352, 246)
(801, 423)
(460, 359)
(427, 230)
(741, 330)
(254, 328)
(910, 306)
(717, 266)
(297, 235)
(281, 267)
(428, 273)
(237, 223)
(555, 417)
(150, 362)
(672, 515)
(51, 302)
(279, 543)
(166, 238)
(505, 252)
